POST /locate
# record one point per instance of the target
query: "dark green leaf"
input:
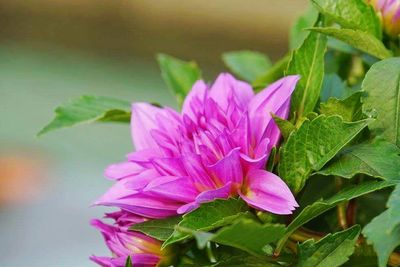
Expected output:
(315, 143)
(87, 109)
(350, 108)
(383, 232)
(209, 216)
(298, 33)
(247, 65)
(178, 75)
(363, 256)
(378, 158)
(382, 85)
(351, 14)
(272, 74)
(308, 62)
(331, 251)
(237, 258)
(321, 206)
(363, 41)
(159, 229)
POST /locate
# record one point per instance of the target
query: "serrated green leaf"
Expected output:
(378, 158)
(87, 109)
(350, 109)
(382, 87)
(317, 208)
(159, 229)
(247, 65)
(209, 216)
(351, 14)
(298, 33)
(331, 251)
(272, 74)
(363, 41)
(179, 75)
(308, 62)
(315, 143)
(383, 232)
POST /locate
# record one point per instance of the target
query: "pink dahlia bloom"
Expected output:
(390, 15)
(217, 147)
(143, 250)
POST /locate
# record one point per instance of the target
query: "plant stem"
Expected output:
(341, 207)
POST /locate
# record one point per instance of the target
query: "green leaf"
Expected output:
(298, 33)
(363, 256)
(331, 251)
(87, 109)
(363, 41)
(249, 236)
(315, 143)
(236, 258)
(351, 14)
(178, 75)
(334, 86)
(159, 229)
(285, 126)
(308, 62)
(317, 208)
(247, 65)
(382, 85)
(350, 109)
(128, 262)
(383, 232)
(208, 217)
(378, 158)
(272, 74)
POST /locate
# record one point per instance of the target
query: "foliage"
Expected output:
(344, 130)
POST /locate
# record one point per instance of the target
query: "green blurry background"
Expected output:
(52, 51)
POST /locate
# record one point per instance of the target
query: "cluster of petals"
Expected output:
(217, 147)
(390, 15)
(143, 251)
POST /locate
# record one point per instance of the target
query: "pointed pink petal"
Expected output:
(228, 169)
(226, 88)
(121, 170)
(270, 100)
(266, 191)
(143, 120)
(194, 101)
(173, 188)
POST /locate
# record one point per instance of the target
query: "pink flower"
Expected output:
(390, 15)
(217, 147)
(143, 250)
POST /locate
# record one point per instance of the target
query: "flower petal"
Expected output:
(227, 169)
(143, 120)
(270, 100)
(121, 170)
(226, 88)
(266, 191)
(172, 187)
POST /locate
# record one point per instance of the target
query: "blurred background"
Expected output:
(52, 51)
